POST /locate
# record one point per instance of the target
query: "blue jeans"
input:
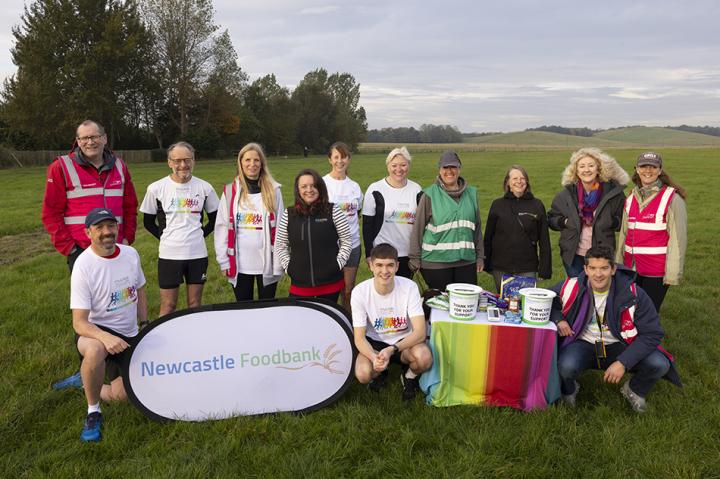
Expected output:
(578, 356)
(577, 266)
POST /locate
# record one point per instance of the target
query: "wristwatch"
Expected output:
(396, 348)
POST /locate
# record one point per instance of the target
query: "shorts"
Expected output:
(113, 362)
(354, 259)
(173, 272)
(379, 346)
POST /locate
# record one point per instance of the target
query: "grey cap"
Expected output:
(97, 215)
(449, 158)
(649, 158)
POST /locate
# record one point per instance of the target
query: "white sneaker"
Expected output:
(570, 399)
(636, 402)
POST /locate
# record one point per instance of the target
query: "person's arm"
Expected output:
(368, 222)
(362, 344)
(344, 236)
(150, 223)
(489, 235)
(620, 245)
(677, 241)
(649, 332)
(130, 206)
(53, 210)
(282, 247)
(83, 327)
(557, 221)
(209, 227)
(210, 205)
(545, 250)
(479, 246)
(422, 217)
(417, 335)
(220, 238)
(142, 316)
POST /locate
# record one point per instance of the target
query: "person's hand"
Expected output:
(614, 373)
(382, 360)
(480, 265)
(226, 272)
(125, 242)
(564, 328)
(114, 344)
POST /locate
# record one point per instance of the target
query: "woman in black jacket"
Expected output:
(588, 210)
(517, 240)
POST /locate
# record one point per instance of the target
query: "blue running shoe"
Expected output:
(74, 381)
(91, 430)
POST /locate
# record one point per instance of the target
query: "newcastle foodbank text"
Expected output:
(222, 362)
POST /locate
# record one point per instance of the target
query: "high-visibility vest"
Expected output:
(647, 237)
(450, 234)
(85, 192)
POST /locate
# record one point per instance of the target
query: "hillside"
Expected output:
(657, 137)
(541, 138)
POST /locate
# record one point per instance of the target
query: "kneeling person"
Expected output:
(107, 298)
(607, 323)
(389, 324)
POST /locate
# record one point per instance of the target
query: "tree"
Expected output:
(76, 59)
(271, 117)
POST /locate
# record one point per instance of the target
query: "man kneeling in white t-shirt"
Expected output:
(389, 324)
(107, 298)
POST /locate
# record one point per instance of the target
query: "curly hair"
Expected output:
(609, 169)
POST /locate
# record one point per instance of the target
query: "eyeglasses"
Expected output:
(85, 139)
(180, 161)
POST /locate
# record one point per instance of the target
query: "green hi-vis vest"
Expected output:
(450, 235)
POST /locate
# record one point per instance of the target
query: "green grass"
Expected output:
(657, 137)
(542, 138)
(364, 434)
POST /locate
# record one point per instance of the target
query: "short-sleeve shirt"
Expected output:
(399, 214)
(107, 287)
(386, 317)
(347, 195)
(182, 204)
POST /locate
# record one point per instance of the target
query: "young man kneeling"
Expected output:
(389, 324)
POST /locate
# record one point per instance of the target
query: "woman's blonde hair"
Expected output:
(266, 182)
(399, 152)
(608, 167)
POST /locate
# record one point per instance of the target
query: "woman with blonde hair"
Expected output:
(653, 237)
(245, 227)
(588, 210)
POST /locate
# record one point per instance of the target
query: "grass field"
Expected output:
(364, 434)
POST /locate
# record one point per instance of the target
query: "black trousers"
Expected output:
(245, 286)
(654, 287)
(404, 267)
(333, 297)
(440, 278)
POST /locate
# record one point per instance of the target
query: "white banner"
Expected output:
(237, 359)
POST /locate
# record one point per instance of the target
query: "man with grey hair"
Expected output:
(173, 212)
(89, 176)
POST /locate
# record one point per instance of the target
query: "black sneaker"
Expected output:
(91, 430)
(410, 387)
(379, 382)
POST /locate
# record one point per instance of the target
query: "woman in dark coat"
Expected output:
(588, 210)
(517, 240)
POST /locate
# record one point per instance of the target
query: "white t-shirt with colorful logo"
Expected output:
(182, 204)
(348, 196)
(386, 317)
(107, 287)
(249, 234)
(399, 214)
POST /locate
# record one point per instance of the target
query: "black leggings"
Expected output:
(246, 284)
(654, 288)
(440, 278)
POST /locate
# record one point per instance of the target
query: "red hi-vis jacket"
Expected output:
(647, 236)
(75, 187)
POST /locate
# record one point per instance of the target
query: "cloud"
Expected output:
(319, 10)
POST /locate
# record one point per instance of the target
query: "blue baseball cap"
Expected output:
(97, 215)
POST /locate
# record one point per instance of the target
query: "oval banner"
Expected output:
(227, 360)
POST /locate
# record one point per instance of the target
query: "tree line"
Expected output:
(155, 71)
(427, 133)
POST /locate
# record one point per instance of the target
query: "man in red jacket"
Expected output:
(88, 177)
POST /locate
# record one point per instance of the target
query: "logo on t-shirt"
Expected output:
(249, 221)
(350, 209)
(121, 298)
(401, 217)
(185, 205)
(390, 324)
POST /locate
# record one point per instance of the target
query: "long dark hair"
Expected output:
(664, 179)
(322, 204)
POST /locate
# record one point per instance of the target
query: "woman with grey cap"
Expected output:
(389, 209)
(653, 237)
(446, 243)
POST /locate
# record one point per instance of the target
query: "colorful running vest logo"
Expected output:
(390, 324)
(184, 205)
(120, 299)
(401, 217)
(350, 209)
(249, 221)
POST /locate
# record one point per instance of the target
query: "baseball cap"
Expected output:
(649, 158)
(97, 215)
(449, 158)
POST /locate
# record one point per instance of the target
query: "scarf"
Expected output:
(587, 202)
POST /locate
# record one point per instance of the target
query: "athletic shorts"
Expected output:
(113, 362)
(354, 259)
(173, 272)
(379, 346)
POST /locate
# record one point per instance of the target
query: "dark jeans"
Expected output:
(404, 268)
(246, 284)
(73, 256)
(654, 288)
(580, 355)
(330, 296)
(440, 278)
(578, 266)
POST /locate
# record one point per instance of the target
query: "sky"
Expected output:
(485, 66)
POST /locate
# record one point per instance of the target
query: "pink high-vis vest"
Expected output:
(84, 193)
(647, 236)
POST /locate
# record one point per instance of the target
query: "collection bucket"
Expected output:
(536, 305)
(463, 298)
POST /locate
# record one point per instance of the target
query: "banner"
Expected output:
(227, 360)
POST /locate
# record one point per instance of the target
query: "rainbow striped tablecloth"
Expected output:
(479, 362)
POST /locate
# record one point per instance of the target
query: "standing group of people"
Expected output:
(90, 212)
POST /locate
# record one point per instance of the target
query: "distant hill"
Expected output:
(656, 136)
(541, 138)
